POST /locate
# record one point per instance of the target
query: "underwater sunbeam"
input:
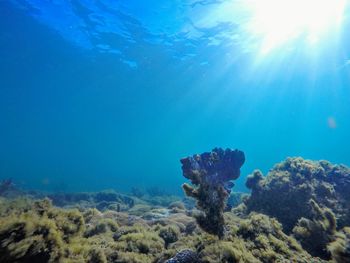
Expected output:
(277, 22)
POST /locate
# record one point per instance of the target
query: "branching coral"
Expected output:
(211, 173)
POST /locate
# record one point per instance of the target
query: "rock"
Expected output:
(184, 256)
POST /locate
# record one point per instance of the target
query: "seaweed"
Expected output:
(286, 191)
(37, 231)
(340, 247)
(316, 233)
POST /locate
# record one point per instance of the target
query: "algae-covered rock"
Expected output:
(108, 199)
(138, 244)
(169, 234)
(41, 234)
(340, 247)
(317, 233)
(264, 238)
(287, 189)
(256, 238)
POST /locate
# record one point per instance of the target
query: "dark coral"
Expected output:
(211, 174)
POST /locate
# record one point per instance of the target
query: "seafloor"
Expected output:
(298, 212)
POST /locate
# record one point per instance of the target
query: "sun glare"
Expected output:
(277, 22)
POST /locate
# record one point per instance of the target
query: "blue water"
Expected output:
(111, 94)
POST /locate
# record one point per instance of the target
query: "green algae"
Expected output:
(37, 231)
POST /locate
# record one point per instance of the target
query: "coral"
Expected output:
(340, 247)
(212, 173)
(315, 234)
(286, 191)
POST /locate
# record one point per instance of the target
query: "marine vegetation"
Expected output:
(211, 174)
(340, 247)
(314, 234)
(285, 193)
(34, 230)
(309, 198)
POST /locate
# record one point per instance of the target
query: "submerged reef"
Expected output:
(211, 174)
(298, 213)
(36, 231)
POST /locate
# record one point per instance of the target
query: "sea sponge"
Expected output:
(211, 174)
